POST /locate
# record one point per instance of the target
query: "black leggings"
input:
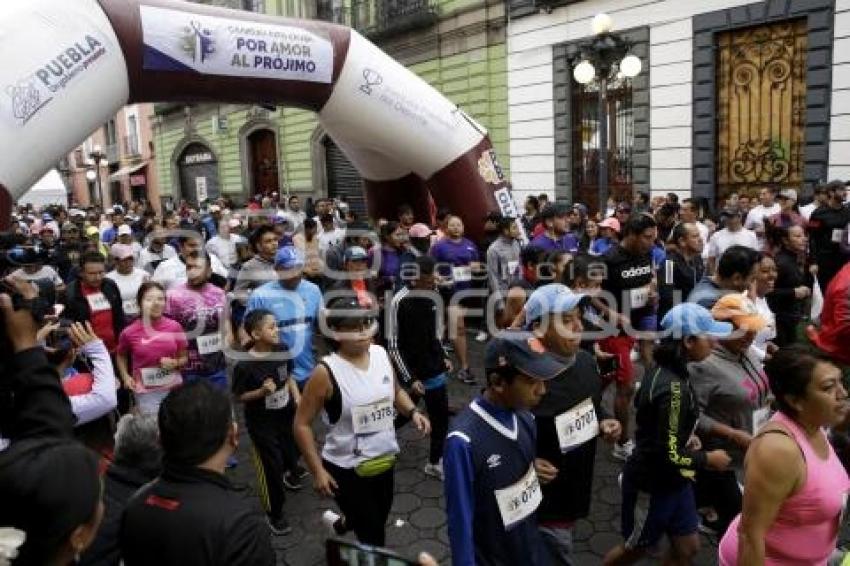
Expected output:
(437, 403)
(719, 490)
(365, 502)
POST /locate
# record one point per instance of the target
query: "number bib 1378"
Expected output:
(577, 426)
(518, 501)
(374, 417)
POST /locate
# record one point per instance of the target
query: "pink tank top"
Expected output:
(806, 527)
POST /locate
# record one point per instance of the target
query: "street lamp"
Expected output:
(603, 58)
(97, 159)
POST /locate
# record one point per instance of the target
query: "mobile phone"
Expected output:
(341, 552)
(608, 366)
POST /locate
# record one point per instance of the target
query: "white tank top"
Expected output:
(367, 398)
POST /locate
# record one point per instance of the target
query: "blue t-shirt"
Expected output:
(453, 255)
(566, 243)
(296, 312)
(600, 246)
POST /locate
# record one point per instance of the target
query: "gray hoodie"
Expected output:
(729, 387)
(502, 262)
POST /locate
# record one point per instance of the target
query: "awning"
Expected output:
(127, 170)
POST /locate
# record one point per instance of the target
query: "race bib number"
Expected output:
(837, 235)
(158, 377)
(374, 417)
(462, 273)
(639, 297)
(513, 266)
(577, 426)
(518, 501)
(279, 399)
(209, 344)
(131, 307)
(760, 417)
(98, 302)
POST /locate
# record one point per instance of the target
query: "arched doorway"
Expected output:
(198, 170)
(262, 156)
(344, 182)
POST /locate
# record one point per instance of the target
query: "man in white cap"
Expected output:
(788, 215)
(128, 277)
(125, 237)
(223, 244)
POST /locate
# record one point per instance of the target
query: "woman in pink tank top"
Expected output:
(795, 486)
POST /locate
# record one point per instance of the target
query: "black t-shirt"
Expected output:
(628, 279)
(827, 230)
(249, 375)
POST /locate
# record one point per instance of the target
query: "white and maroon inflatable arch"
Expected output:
(68, 65)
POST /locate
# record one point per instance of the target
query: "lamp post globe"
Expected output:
(630, 66)
(602, 23)
(584, 72)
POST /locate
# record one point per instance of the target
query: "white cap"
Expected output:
(125, 230)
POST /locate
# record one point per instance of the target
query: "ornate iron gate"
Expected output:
(585, 146)
(761, 107)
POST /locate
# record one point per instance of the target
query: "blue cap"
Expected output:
(356, 253)
(691, 319)
(553, 298)
(521, 351)
(289, 257)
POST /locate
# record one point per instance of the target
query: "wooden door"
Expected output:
(761, 107)
(263, 151)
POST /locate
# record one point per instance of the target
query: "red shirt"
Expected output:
(101, 319)
(833, 336)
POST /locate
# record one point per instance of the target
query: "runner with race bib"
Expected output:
(569, 417)
(198, 306)
(157, 347)
(264, 385)
(356, 391)
(492, 486)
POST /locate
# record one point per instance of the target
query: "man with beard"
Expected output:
(683, 268)
(198, 306)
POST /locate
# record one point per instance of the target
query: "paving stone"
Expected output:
(435, 548)
(428, 517)
(430, 488)
(399, 537)
(583, 530)
(610, 494)
(405, 503)
(407, 477)
(600, 543)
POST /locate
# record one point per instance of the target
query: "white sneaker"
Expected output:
(332, 522)
(434, 470)
(481, 336)
(623, 451)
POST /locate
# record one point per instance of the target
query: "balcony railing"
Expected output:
(130, 146)
(379, 18)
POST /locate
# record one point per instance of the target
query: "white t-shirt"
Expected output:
(703, 234)
(807, 210)
(328, 239)
(173, 271)
(129, 286)
(224, 248)
(723, 239)
(146, 257)
(46, 272)
(755, 220)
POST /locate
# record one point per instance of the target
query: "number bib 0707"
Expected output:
(374, 417)
(577, 425)
(279, 399)
(518, 501)
(157, 377)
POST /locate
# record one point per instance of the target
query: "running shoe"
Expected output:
(334, 523)
(291, 481)
(623, 451)
(279, 527)
(464, 376)
(434, 470)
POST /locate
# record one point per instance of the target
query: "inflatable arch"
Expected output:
(70, 65)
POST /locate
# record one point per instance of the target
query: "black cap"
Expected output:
(522, 351)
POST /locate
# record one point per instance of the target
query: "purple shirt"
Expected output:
(453, 259)
(199, 312)
(566, 243)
